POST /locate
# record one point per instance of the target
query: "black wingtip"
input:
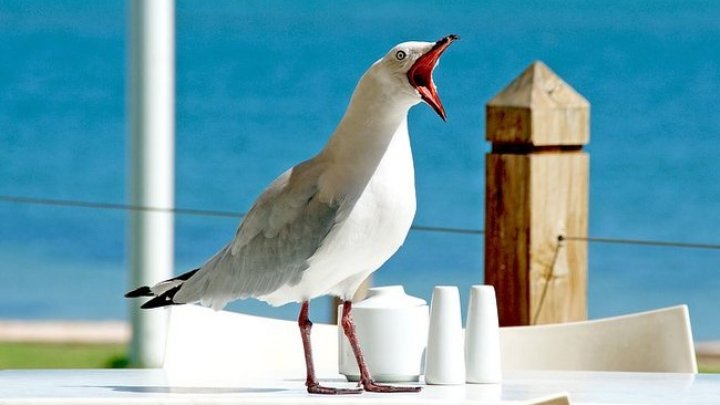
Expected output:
(162, 300)
(143, 291)
(156, 302)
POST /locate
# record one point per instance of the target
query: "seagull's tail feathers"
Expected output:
(162, 292)
(143, 291)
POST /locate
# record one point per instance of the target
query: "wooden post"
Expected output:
(537, 191)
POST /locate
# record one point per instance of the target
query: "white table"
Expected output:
(158, 386)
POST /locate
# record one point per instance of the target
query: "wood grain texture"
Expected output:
(531, 200)
(558, 206)
(507, 236)
(538, 108)
(537, 191)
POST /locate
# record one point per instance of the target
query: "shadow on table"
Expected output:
(333, 380)
(146, 389)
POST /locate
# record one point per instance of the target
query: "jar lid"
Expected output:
(392, 296)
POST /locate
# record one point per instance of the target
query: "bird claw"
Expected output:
(368, 386)
(320, 389)
(372, 386)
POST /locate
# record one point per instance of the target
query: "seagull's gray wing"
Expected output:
(283, 229)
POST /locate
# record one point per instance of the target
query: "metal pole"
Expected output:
(152, 151)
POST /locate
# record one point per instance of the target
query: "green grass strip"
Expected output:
(62, 355)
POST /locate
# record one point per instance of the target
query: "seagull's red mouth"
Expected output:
(420, 74)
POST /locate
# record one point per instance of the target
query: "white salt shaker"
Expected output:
(482, 337)
(444, 361)
(392, 330)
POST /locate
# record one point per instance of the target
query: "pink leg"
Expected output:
(313, 386)
(365, 378)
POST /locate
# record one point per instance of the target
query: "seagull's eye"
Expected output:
(400, 55)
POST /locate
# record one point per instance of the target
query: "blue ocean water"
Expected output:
(260, 88)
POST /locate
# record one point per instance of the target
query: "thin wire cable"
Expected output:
(420, 228)
(423, 228)
(184, 211)
(116, 206)
(641, 242)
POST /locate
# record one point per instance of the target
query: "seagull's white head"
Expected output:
(409, 66)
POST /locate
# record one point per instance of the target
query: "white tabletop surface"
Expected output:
(160, 387)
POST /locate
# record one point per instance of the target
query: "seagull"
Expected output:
(323, 226)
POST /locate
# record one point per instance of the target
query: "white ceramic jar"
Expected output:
(392, 329)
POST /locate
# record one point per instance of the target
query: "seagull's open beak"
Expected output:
(420, 74)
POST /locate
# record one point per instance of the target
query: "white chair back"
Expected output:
(203, 341)
(652, 341)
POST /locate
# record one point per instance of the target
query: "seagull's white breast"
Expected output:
(373, 231)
